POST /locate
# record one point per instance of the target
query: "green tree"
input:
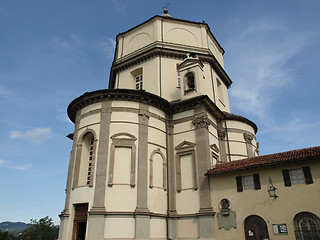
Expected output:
(4, 235)
(40, 230)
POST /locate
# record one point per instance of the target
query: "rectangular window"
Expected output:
(122, 165)
(214, 159)
(139, 82)
(297, 176)
(220, 92)
(179, 80)
(248, 182)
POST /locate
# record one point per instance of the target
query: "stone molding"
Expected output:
(183, 149)
(152, 100)
(123, 140)
(248, 137)
(230, 116)
(201, 122)
(164, 168)
(156, 50)
(208, 212)
(221, 134)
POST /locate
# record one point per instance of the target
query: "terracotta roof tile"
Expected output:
(267, 160)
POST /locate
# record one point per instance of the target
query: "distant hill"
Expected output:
(13, 227)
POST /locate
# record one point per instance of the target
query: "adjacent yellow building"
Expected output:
(158, 154)
(291, 213)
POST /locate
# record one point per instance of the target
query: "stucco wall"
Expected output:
(291, 200)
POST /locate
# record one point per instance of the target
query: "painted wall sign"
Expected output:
(280, 228)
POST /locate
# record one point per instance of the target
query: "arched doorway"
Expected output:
(255, 228)
(306, 226)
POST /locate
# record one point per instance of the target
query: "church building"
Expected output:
(158, 155)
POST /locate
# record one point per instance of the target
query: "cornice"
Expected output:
(153, 214)
(152, 100)
(191, 103)
(165, 18)
(116, 94)
(230, 116)
(155, 50)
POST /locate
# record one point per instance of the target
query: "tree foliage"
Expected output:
(4, 235)
(43, 229)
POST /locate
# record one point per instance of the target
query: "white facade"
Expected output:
(142, 147)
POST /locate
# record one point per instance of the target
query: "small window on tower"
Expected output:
(139, 82)
(138, 78)
(189, 82)
(220, 92)
(179, 80)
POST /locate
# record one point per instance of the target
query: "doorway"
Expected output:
(80, 221)
(256, 228)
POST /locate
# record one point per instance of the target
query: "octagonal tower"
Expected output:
(141, 148)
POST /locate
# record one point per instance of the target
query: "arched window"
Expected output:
(138, 78)
(255, 228)
(307, 226)
(90, 160)
(84, 169)
(189, 82)
(158, 173)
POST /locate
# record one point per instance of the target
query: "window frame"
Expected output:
(287, 177)
(240, 182)
(139, 81)
(125, 140)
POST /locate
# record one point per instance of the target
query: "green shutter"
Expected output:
(256, 180)
(239, 184)
(307, 175)
(286, 177)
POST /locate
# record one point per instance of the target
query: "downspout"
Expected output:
(122, 44)
(167, 172)
(160, 67)
(225, 122)
(167, 138)
(213, 90)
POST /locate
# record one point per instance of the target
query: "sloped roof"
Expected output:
(267, 160)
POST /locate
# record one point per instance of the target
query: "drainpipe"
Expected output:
(167, 172)
(225, 122)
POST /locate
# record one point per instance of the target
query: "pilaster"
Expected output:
(248, 138)
(142, 218)
(96, 217)
(72, 160)
(222, 143)
(201, 123)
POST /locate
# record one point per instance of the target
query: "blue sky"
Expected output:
(53, 51)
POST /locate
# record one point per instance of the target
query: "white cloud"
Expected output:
(120, 6)
(4, 91)
(288, 134)
(36, 135)
(258, 62)
(62, 116)
(10, 165)
(106, 46)
(72, 48)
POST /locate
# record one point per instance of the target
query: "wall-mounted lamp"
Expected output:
(272, 189)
